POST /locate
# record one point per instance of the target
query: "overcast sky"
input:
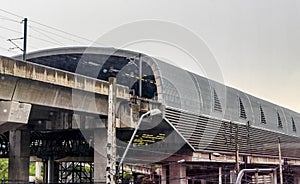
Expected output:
(256, 43)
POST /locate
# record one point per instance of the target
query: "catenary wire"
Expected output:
(46, 35)
(10, 13)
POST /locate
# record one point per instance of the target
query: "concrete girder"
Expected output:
(49, 95)
(36, 72)
(13, 115)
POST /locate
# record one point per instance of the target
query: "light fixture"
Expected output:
(181, 161)
(152, 112)
(216, 154)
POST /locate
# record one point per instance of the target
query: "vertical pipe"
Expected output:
(220, 175)
(25, 39)
(140, 75)
(274, 177)
(237, 151)
(122, 173)
(50, 170)
(45, 174)
(280, 163)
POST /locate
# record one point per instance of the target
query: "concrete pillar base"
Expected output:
(19, 155)
(174, 174)
(100, 141)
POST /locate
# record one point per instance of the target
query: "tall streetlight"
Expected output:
(152, 112)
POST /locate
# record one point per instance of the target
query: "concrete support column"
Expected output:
(164, 175)
(38, 169)
(111, 148)
(177, 174)
(100, 143)
(19, 153)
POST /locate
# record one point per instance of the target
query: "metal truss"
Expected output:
(76, 172)
(60, 144)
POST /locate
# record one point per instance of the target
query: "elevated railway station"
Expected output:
(75, 109)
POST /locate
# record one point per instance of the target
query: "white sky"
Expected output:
(256, 43)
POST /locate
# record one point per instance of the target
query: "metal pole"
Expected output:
(152, 112)
(220, 175)
(25, 39)
(280, 163)
(274, 177)
(237, 151)
(50, 170)
(131, 139)
(140, 76)
(122, 173)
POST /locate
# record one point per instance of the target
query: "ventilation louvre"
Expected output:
(262, 116)
(242, 110)
(217, 104)
(279, 122)
(294, 125)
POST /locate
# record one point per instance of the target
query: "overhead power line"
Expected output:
(12, 30)
(60, 36)
(46, 30)
(59, 30)
(46, 36)
(9, 19)
(10, 13)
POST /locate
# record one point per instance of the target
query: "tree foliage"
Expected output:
(3, 169)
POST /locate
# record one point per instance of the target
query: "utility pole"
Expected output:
(280, 163)
(111, 133)
(25, 39)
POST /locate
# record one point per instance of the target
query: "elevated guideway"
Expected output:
(65, 110)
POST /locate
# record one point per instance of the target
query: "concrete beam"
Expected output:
(227, 158)
(13, 115)
(36, 72)
(59, 97)
(7, 86)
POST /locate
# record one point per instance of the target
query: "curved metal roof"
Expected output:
(189, 92)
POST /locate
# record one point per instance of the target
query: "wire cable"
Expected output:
(46, 36)
(9, 19)
(10, 13)
(78, 39)
(10, 30)
(56, 29)
(43, 30)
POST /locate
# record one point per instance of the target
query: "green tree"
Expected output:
(32, 169)
(3, 169)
